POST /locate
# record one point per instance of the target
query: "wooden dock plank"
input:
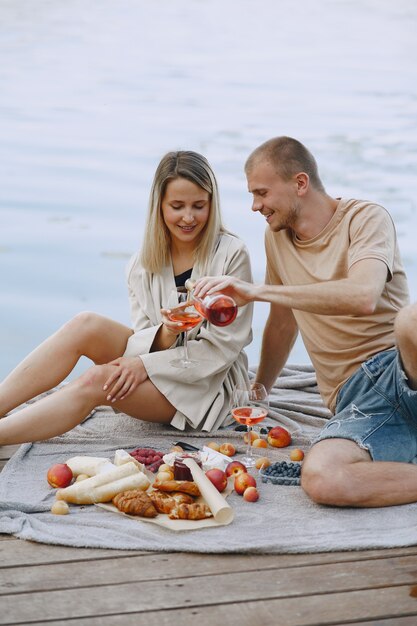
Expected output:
(123, 586)
(332, 609)
(152, 570)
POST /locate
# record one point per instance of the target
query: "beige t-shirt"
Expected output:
(338, 344)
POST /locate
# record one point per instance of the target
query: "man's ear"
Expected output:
(303, 183)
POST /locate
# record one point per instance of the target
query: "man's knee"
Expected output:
(325, 475)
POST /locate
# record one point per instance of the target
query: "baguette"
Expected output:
(105, 492)
(76, 490)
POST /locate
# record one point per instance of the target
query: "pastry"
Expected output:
(184, 486)
(135, 502)
(165, 502)
(190, 511)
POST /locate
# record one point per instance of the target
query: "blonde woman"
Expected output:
(184, 237)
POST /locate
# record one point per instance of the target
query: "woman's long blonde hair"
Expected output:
(155, 252)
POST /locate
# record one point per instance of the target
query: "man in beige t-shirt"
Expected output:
(334, 273)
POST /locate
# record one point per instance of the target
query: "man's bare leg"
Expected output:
(87, 334)
(338, 472)
(406, 339)
(64, 409)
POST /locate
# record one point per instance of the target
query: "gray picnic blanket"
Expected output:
(284, 520)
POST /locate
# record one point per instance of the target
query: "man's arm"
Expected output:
(357, 294)
(278, 338)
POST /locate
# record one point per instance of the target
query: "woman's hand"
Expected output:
(128, 375)
(174, 328)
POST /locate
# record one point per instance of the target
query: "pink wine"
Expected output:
(188, 319)
(249, 415)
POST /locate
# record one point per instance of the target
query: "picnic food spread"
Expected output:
(180, 487)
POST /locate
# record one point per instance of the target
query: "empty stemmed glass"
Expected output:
(182, 310)
(250, 406)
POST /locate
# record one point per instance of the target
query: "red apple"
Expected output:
(228, 449)
(59, 475)
(242, 482)
(279, 437)
(251, 494)
(218, 478)
(234, 468)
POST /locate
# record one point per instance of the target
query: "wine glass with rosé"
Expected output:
(182, 310)
(250, 406)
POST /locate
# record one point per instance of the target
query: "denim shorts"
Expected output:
(377, 410)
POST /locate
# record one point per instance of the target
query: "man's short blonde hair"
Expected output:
(289, 157)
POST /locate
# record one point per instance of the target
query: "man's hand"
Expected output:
(241, 291)
(129, 373)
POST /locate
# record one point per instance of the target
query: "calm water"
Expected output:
(93, 94)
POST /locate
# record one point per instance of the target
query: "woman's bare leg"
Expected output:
(87, 334)
(60, 411)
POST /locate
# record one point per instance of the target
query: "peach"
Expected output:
(262, 462)
(176, 449)
(260, 443)
(253, 436)
(228, 449)
(81, 477)
(59, 475)
(164, 476)
(234, 468)
(251, 494)
(218, 478)
(242, 482)
(296, 455)
(60, 507)
(214, 446)
(279, 437)
(164, 468)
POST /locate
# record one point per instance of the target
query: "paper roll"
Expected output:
(222, 512)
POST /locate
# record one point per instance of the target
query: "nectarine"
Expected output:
(59, 475)
(260, 443)
(279, 437)
(218, 478)
(262, 462)
(251, 494)
(214, 446)
(253, 436)
(228, 449)
(234, 468)
(296, 455)
(60, 507)
(242, 482)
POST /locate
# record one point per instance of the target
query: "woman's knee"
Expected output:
(92, 381)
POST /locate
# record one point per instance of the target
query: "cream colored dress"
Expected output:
(201, 394)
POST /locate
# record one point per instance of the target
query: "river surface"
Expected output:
(92, 94)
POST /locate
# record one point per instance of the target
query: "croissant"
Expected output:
(135, 502)
(184, 486)
(190, 511)
(164, 502)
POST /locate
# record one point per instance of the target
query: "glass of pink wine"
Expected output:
(250, 406)
(182, 310)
